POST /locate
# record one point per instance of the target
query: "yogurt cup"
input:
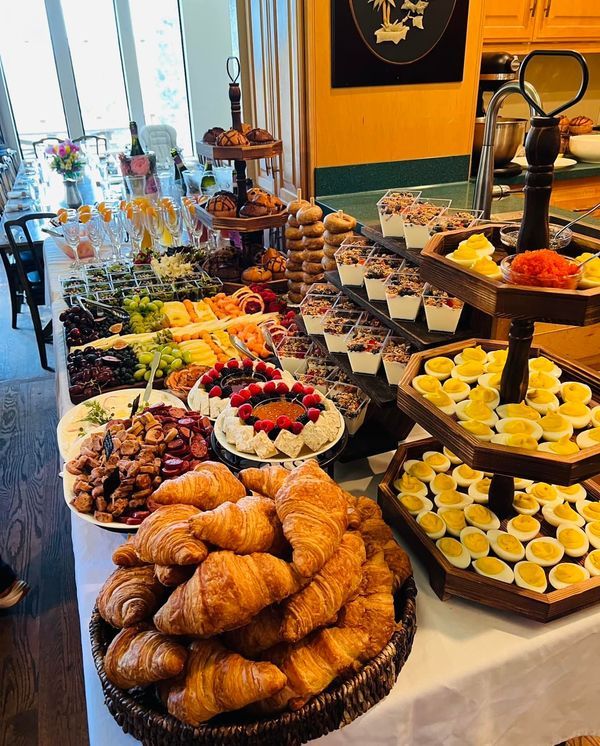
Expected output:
(416, 219)
(396, 354)
(336, 326)
(351, 402)
(442, 310)
(390, 208)
(377, 269)
(404, 294)
(292, 352)
(313, 308)
(365, 345)
(350, 259)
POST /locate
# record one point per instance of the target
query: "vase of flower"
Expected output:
(66, 159)
(72, 194)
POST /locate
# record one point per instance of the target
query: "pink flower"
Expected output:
(140, 165)
(61, 150)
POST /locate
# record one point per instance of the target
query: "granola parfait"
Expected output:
(416, 218)
(336, 326)
(351, 402)
(292, 352)
(390, 207)
(404, 293)
(317, 373)
(396, 354)
(350, 259)
(454, 219)
(442, 310)
(377, 269)
(312, 310)
(365, 346)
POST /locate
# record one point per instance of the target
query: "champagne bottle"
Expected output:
(208, 184)
(136, 148)
(180, 167)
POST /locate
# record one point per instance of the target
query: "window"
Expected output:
(159, 52)
(30, 72)
(96, 60)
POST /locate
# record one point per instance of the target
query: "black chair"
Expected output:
(43, 142)
(24, 265)
(96, 139)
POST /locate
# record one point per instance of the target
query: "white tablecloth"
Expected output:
(475, 677)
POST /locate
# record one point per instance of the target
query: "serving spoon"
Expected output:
(577, 219)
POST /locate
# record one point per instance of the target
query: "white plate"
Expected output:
(68, 482)
(559, 163)
(302, 456)
(117, 402)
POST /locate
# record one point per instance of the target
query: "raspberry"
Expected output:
(215, 391)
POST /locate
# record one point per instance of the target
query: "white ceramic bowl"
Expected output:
(585, 147)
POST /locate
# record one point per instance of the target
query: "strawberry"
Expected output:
(313, 414)
(284, 422)
(215, 391)
(297, 428)
(236, 400)
(245, 411)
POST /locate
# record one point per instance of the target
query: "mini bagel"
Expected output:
(339, 222)
(297, 204)
(294, 266)
(314, 230)
(290, 274)
(335, 239)
(293, 234)
(312, 268)
(310, 214)
(329, 251)
(294, 286)
(312, 244)
(292, 245)
(314, 278)
(306, 288)
(294, 298)
(328, 264)
(293, 222)
(313, 256)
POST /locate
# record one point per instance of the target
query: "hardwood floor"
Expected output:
(42, 701)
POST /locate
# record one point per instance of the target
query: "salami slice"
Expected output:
(198, 447)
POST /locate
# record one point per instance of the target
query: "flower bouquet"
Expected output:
(139, 166)
(66, 159)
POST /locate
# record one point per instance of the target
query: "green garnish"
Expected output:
(96, 414)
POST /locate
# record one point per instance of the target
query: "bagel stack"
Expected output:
(338, 227)
(295, 250)
(312, 229)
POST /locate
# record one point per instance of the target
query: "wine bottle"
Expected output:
(208, 184)
(180, 167)
(136, 148)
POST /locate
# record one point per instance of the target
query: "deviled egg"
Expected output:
(442, 401)
(410, 486)
(592, 563)
(439, 367)
(476, 354)
(465, 476)
(518, 426)
(563, 447)
(497, 356)
(575, 391)
(457, 390)
(525, 504)
(571, 494)
(490, 380)
(543, 364)
(481, 517)
(592, 531)
(426, 384)
(437, 461)
(415, 504)
(544, 551)
(431, 524)
(522, 484)
(589, 438)
(588, 509)
(452, 457)
(454, 552)
(478, 243)
(516, 440)
(419, 469)
(487, 267)
(523, 527)
(578, 414)
(479, 491)
(506, 545)
(596, 416)
(530, 576)
(442, 483)
(452, 499)
(573, 539)
(495, 367)
(492, 567)
(474, 410)
(521, 411)
(541, 380)
(454, 518)
(542, 400)
(559, 514)
(555, 426)
(477, 429)
(489, 397)
(475, 541)
(566, 574)
(543, 492)
(468, 372)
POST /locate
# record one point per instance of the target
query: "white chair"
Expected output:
(160, 139)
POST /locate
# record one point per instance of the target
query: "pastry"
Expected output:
(232, 138)
(130, 596)
(250, 525)
(126, 556)
(328, 264)
(222, 204)
(308, 277)
(217, 680)
(313, 243)
(262, 633)
(253, 210)
(207, 486)
(276, 265)
(293, 245)
(312, 510)
(172, 575)
(377, 535)
(258, 136)
(339, 222)
(246, 128)
(329, 250)
(313, 230)
(210, 136)
(312, 268)
(256, 274)
(296, 204)
(295, 298)
(139, 656)
(581, 125)
(293, 234)
(310, 214)
(313, 255)
(267, 480)
(327, 592)
(297, 276)
(164, 537)
(336, 239)
(292, 221)
(225, 592)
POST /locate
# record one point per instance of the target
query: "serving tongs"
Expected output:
(116, 312)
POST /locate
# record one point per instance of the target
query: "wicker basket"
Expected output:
(140, 714)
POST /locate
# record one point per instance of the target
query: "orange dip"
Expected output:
(273, 409)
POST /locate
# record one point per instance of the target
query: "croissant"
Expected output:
(372, 611)
(172, 575)
(266, 480)
(378, 535)
(126, 556)
(327, 592)
(129, 596)
(354, 517)
(312, 664)
(217, 680)
(165, 537)
(207, 486)
(367, 508)
(250, 525)
(139, 656)
(313, 512)
(260, 634)
(225, 592)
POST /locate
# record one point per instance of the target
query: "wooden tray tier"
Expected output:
(395, 245)
(448, 580)
(241, 153)
(492, 457)
(498, 298)
(241, 224)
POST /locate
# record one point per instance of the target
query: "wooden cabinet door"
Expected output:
(571, 20)
(509, 20)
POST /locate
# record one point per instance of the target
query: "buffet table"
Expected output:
(475, 677)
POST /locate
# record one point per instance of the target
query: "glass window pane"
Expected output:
(98, 72)
(159, 52)
(28, 62)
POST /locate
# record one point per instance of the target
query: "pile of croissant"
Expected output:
(228, 600)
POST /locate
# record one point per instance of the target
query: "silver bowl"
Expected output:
(510, 233)
(509, 136)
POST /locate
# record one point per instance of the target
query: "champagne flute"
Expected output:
(133, 219)
(95, 230)
(171, 215)
(154, 223)
(115, 232)
(71, 233)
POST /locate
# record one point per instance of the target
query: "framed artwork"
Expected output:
(387, 42)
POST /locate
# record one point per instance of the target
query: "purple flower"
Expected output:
(61, 150)
(49, 150)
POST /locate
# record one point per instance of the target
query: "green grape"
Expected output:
(145, 357)
(187, 357)
(176, 364)
(176, 352)
(163, 364)
(139, 374)
(159, 373)
(147, 375)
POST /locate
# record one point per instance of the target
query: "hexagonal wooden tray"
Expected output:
(447, 580)
(516, 462)
(240, 152)
(498, 298)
